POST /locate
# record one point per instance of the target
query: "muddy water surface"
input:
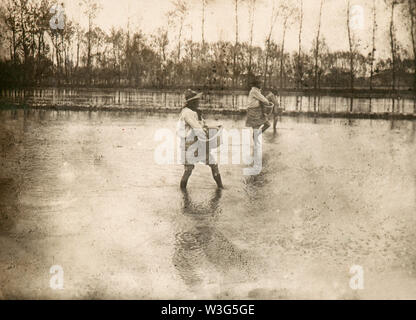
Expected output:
(82, 190)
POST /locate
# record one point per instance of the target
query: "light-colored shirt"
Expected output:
(255, 97)
(189, 119)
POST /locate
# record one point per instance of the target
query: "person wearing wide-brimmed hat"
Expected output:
(194, 125)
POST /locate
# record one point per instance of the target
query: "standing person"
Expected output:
(273, 97)
(256, 117)
(193, 122)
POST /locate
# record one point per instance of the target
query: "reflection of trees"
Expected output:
(11, 179)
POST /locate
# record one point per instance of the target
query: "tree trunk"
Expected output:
(179, 41)
(39, 46)
(272, 22)
(266, 63)
(412, 33)
(251, 15)
(373, 51)
(89, 50)
(236, 44)
(77, 65)
(203, 22)
(317, 55)
(282, 52)
(14, 46)
(299, 82)
(24, 44)
(317, 47)
(350, 42)
(392, 46)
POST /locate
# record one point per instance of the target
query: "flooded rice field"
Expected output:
(139, 99)
(82, 190)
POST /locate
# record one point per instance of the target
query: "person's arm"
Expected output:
(194, 124)
(191, 120)
(257, 95)
(273, 99)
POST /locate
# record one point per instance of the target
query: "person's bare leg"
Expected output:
(266, 126)
(187, 173)
(256, 134)
(216, 175)
(274, 123)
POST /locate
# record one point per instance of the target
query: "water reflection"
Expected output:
(340, 172)
(231, 101)
(9, 175)
(8, 204)
(202, 245)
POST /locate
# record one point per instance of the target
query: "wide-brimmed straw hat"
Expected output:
(192, 95)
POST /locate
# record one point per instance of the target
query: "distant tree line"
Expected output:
(75, 56)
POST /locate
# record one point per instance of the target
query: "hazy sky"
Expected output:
(220, 24)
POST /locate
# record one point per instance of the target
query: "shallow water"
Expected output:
(137, 99)
(82, 190)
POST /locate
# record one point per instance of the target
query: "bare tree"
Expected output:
(317, 42)
(352, 53)
(351, 45)
(373, 49)
(79, 33)
(316, 53)
(411, 6)
(204, 3)
(9, 15)
(299, 69)
(251, 15)
(23, 24)
(41, 25)
(393, 45)
(236, 2)
(287, 12)
(411, 9)
(236, 19)
(116, 40)
(177, 17)
(91, 9)
(80, 54)
(161, 41)
(299, 78)
(273, 18)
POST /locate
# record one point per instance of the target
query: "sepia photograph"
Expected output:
(207, 150)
